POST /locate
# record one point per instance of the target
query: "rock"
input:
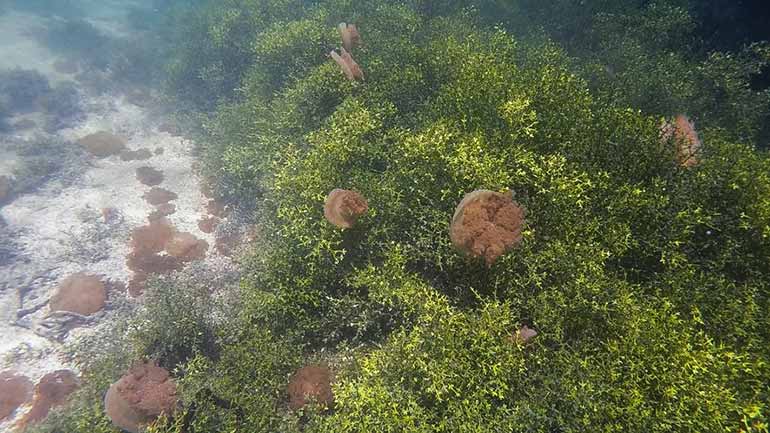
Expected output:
(140, 397)
(160, 151)
(57, 324)
(487, 224)
(158, 195)
(149, 176)
(186, 247)
(103, 144)
(5, 188)
(311, 383)
(15, 390)
(52, 390)
(79, 293)
(343, 207)
(208, 224)
(135, 155)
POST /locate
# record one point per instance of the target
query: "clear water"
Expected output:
(91, 149)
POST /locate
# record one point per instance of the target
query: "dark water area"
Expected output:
(729, 25)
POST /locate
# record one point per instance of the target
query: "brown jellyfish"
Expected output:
(149, 176)
(343, 207)
(186, 247)
(103, 144)
(79, 293)
(52, 390)
(349, 66)
(156, 196)
(688, 144)
(140, 397)
(487, 224)
(523, 335)
(311, 383)
(350, 36)
(15, 390)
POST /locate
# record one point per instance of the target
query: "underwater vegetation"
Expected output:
(559, 223)
(21, 89)
(40, 160)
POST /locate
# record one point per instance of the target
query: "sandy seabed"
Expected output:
(59, 229)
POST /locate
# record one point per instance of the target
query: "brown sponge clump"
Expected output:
(311, 383)
(15, 391)
(343, 207)
(487, 224)
(79, 293)
(103, 144)
(140, 397)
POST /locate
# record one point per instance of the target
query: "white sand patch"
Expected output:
(59, 229)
